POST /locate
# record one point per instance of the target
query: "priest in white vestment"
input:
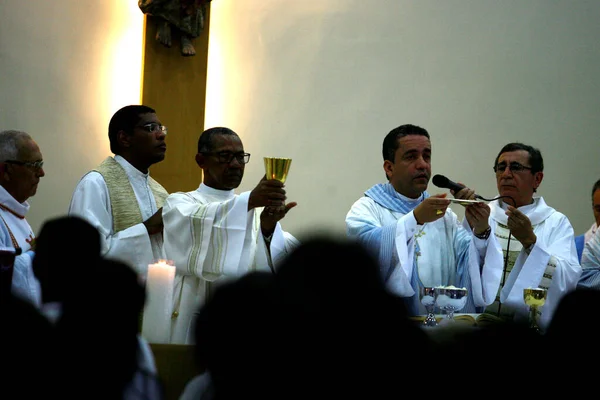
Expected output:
(213, 234)
(417, 239)
(582, 239)
(119, 197)
(590, 263)
(21, 167)
(540, 240)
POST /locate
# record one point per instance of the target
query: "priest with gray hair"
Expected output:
(21, 167)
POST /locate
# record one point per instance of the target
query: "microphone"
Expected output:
(442, 182)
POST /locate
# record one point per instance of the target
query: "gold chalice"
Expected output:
(277, 168)
(534, 298)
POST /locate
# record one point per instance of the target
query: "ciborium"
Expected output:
(277, 168)
(534, 298)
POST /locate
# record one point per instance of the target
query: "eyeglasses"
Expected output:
(514, 167)
(225, 157)
(153, 127)
(31, 164)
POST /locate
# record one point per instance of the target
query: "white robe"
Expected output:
(591, 253)
(552, 262)
(440, 243)
(133, 245)
(24, 283)
(589, 234)
(590, 263)
(212, 237)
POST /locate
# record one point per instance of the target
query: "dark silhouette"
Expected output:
(98, 334)
(27, 339)
(60, 271)
(323, 324)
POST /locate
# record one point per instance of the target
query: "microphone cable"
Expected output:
(505, 267)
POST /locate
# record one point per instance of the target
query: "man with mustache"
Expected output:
(416, 237)
(214, 235)
(21, 167)
(119, 197)
(539, 239)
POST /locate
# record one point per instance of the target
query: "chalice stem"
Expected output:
(430, 318)
(532, 317)
(451, 313)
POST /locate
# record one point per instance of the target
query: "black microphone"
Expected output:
(442, 182)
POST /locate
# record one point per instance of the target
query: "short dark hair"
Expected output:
(205, 140)
(390, 143)
(535, 156)
(596, 187)
(125, 119)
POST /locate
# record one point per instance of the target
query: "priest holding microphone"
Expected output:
(417, 239)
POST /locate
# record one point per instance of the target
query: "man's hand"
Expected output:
(267, 193)
(431, 209)
(464, 194)
(477, 215)
(271, 215)
(154, 224)
(520, 227)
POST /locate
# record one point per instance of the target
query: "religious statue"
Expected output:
(184, 18)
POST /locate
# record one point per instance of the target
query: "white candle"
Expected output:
(156, 325)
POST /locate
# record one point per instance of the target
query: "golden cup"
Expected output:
(534, 298)
(277, 168)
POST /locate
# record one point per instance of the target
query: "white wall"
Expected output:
(65, 67)
(323, 81)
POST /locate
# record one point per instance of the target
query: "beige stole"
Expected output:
(126, 212)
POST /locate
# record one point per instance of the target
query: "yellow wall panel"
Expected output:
(175, 86)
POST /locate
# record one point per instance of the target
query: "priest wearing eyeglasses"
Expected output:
(214, 235)
(119, 197)
(539, 239)
(21, 167)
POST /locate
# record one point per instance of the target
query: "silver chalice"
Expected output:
(450, 299)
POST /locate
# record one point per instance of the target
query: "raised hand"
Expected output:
(465, 193)
(520, 226)
(477, 215)
(431, 209)
(271, 215)
(268, 192)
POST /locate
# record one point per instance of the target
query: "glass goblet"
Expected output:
(450, 300)
(428, 295)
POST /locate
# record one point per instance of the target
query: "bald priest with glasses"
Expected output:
(539, 239)
(119, 197)
(214, 235)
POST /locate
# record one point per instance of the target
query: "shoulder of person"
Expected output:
(91, 178)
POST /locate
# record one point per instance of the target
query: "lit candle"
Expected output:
(156, 325)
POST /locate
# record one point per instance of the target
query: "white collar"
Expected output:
(9, 202)
(224, 194)
(130, 169)
(418, 200)
(537, 211)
